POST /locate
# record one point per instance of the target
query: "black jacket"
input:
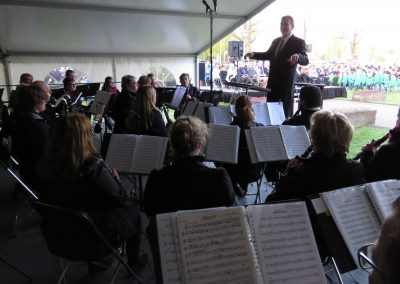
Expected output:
(187, 184)
(158, 128)
(302, 119)
(318, 174)
(123, 105)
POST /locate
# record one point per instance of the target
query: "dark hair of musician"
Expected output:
(25, 78)
(69, 73)
(144, 105)
(106, 84)
(30, 98)
(330, 132)
(244, 111)
(311, 96)
(186, 135)
(144, 81)
(70, 149)
(67, 80)
(127, 80)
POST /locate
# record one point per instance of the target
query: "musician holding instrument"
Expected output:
(382, 162)
(70, 88)
(327, 167)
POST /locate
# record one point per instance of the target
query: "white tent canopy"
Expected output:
(113, 37)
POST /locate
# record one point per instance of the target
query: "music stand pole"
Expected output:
(211, 13)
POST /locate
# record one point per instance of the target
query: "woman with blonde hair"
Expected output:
(145, 118)
(244, 171)
(74, 176)
(327, 168)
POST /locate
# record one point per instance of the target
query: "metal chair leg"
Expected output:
(64, 269)
(16, 269)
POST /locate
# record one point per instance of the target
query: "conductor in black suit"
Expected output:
(284, 54)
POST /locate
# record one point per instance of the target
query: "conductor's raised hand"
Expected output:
(293, 59)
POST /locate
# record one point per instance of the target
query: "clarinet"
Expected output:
(376, 144)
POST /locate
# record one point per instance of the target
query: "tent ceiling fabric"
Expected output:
(174, 27)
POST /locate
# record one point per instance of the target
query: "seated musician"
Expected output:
(382, 162)
(153, 82)
(30, 132)
(192, 92)
(187, 183)
(244, 171)
(74, 176)
(124, 102)
(109, 86)
(144, 81)
(24, 80)
(70, 88)
(145, 118)
(386, 253)
(51, 110)
(310, 102)
(327, 168)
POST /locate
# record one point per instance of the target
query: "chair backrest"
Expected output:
(71, 233)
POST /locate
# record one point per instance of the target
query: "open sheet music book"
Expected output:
(139, 154)
(356, 211)
(223, 143)
(271, 243)
(221, 114)
(275, 143)
(100, 101)
(177, 97)
(269, 113)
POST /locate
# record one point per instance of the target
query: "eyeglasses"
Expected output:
(365, 259)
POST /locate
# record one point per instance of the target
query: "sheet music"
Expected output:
(220, 115)
(285, 244)
(268, 143)
(383, 194)
(178, 96)
(223, 143)
(215, 247)
(295, 139)
(276, 113)
(149, 154)
(250, 145)
(100, 101)
(120, 152)
(168, 248)
(261, 113)
(190, 108)
(354, 216)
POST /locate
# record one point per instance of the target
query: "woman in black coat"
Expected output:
(74, 176)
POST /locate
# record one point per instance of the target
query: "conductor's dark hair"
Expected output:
(288, 17)
(311, 95)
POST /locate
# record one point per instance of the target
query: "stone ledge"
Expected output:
(369, 96)
(359, 116)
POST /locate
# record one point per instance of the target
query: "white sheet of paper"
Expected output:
(295, 139)
(285, 244)
(100, 101)
(178, 96)
(149, 154)
(354, 216)
(215, 247)
(276, 113)
(268, 143)
(383, 194)
(120, 152)
(261, 113)
(223, 143)
(220, 115)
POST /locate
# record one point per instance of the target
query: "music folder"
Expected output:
(269, 243)
(100, 101)
(139, 154)
(357, 213)
(223, 143)
(177, 98)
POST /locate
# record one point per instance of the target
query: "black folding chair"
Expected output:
(72, 235)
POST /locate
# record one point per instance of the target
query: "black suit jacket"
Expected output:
(281, 73)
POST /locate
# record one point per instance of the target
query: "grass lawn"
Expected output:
(362, 135)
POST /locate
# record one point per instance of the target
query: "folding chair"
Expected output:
(72, 235)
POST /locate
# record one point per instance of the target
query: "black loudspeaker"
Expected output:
(202, 72)
(235, 48)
